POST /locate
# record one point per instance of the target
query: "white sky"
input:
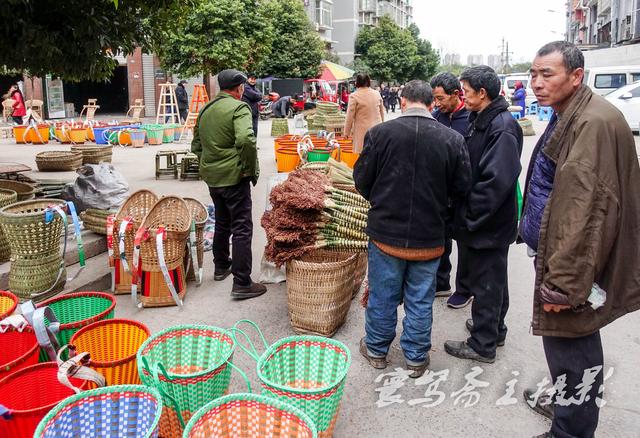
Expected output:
(478, 26)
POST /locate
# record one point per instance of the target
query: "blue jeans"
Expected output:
(390, 280)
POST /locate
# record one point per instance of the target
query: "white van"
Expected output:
(604, 80)
(509, 86)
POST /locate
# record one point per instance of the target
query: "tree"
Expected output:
(76, 39)
(429, 59)
(215, 35)
(522, 67)
(297, 51)
(455, 69)
(390, 52)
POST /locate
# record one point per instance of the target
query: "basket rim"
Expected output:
(120, 214)
(9, 294)
(73, 295)
(4, 210)
(143, 223)
(269, 401)
(48, 154)
(303, 338)
(102, 391)
(200, 204)
(12, 364)
(18, 184)
(93, 325)
(183, 327)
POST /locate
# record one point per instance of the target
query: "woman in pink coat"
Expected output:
(19, 109)
(365, 110)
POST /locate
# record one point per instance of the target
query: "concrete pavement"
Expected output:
(407, 415)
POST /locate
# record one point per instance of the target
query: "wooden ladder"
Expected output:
(198, 101)
(168, 105)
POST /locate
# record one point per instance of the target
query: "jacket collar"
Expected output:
(481, 120)
(557, 141)
(417, 112)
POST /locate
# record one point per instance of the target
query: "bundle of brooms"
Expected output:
(309, 213)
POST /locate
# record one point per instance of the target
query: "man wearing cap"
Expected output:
(252, 97)
(183, 100)
(224, 141)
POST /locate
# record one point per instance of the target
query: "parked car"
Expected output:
(627, 100)
(604, 80)
(509, 86)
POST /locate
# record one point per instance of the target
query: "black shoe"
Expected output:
(378, 363)
(418, 370)
(469, 326)
(221, 274)
(246, 292)
(543, 405)
(462, 350)
(545, 435)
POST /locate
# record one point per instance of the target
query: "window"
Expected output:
(614, 80)
(635, 77)
(324, 13)
(635, 92)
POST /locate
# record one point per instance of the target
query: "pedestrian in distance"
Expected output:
(485, 225)
(281, 107)
(519, 97)
(580, 222)
(252, 97)
(409, 169)
(451, 112)
(225, 144)
(183, 101)
(385, 93)
(19, 108)
(365, 110)
(393, 98)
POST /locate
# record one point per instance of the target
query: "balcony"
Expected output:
(367, 6)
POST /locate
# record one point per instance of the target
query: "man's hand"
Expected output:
(555, 307)
(553, 301)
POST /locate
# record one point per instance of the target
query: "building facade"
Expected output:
(475, 60)
(320, 12)
(603, 23)
(452, 59)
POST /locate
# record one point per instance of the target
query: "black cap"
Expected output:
(230, 79)
(182, 82)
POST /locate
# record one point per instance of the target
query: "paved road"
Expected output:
(360, 415)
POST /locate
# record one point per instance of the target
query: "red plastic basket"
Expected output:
(8, 303)
(18, 349)
(29, 394)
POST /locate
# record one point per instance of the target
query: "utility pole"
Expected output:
(504, 56)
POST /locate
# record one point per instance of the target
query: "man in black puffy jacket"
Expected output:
(486, 223)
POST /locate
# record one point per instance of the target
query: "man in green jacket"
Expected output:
(225, 144)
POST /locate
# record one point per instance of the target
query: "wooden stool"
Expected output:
(171, 168)
(190, 167)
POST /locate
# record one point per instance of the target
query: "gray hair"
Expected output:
(571, 55)
(417, 91)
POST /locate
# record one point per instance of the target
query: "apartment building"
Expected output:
(603, 23)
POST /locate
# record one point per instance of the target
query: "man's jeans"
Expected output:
(390, 280)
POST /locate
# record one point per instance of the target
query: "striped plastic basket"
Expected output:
(28, 395)
(188, 365)
(114, 412)
(250, 416)
(8, 303)
(113, 345)
(308, 372)
(24, 349)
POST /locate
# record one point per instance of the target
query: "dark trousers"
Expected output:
(184, 112)
(254, 121)
(443, 282)
(17, 119)
(233, 219)
(571, 357)
(486, 272)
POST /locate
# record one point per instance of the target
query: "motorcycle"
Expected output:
(265, 107)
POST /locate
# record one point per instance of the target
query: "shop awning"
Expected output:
(335, 72)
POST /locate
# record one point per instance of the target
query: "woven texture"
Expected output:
(7, 197)
(308, 372)
(156, 293)
(200, 215)
(250, 416)
(8, 303)
(114, 411)
(113, 345)
(194, 357)
(30, 393)
(30, 276)
(319, 289)
(25, 191)
(24, 350)
(279, 127)
(94, 154)
(58, 161)
(96, 220)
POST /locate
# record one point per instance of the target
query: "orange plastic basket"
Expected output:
(8, 303)
(113, 345)
(287, 160)
(348, 157)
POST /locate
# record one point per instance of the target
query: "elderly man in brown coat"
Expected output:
(580, 221)
(365, 110)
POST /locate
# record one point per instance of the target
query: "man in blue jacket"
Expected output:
(252, 97)
(486, 223)
(451, 112)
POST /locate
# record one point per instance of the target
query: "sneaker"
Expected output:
(378, 363)
(458, 300)
(246, 292)
(462, 350)
(221, 274)
(543, 405)
(469, 325)
(418, 370)
(444, 292)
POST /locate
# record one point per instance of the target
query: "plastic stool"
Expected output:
(545, 113)
(516, 115)
(533, 109)
(171, 166)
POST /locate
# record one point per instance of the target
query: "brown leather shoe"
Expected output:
(543, 405)
(419, 370)
(246, 292)
(378, 363)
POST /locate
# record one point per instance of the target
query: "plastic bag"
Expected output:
(210, 227)
(98, 186)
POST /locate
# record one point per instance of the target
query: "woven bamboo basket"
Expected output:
(279, 127)
(37, 278)
(200, 215)
(6, 197)
(96, 220)
(320, 288)
(135, 208)
(25, 191)
(58, 161)
(94, 154)
(154, 291)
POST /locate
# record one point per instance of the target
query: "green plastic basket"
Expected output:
(318, 155)
(250, 415)
(308, 372)
(168, 132)
(114, 411)
(188, 365)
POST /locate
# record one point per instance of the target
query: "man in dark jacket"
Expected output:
(252, 97)
(183, 100)
(451, 112)
(580, 221)
(486, 223)
(409, 169)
